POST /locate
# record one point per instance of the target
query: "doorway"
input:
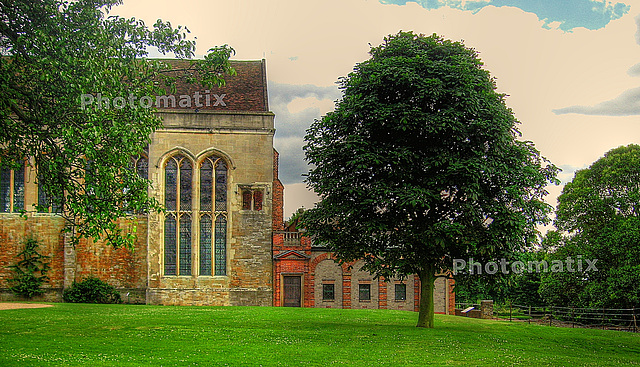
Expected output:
(292, 290)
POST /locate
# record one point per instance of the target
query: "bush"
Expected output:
(30, 272)
(91, 290)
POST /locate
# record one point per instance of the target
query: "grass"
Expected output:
(127, 335)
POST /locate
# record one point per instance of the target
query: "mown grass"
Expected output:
(125, 335)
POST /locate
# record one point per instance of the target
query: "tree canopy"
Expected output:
(420, 164)
(598, 215)
(53, 53)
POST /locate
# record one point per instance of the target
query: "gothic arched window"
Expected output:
(213, 216)
(177, 223)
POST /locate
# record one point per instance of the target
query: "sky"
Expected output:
(570, 68)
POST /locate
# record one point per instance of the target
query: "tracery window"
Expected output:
(177, 223)
(12, 190)
(210, 216)
(213, 216)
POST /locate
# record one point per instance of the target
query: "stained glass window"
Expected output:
(185, 244)
(221, 186)
(205, 245)
(206, 184)
(177, 199)
(170, 245)
(170, 180)
(213, 204)
(221, 246)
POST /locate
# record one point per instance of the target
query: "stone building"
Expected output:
(212, 167)
(222, 239)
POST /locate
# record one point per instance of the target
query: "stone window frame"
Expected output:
(252, 197)
(195, 213)
(13, 194)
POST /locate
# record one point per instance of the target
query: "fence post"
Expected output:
(529, 320)
(573, 317)
(603, 309)
(635, 325)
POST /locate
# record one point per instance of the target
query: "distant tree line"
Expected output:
(597, 219)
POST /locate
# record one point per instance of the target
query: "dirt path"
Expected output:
(13, 306)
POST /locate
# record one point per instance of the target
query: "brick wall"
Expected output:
(46, 228)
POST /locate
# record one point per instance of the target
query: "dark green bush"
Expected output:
(30, 272)
(91, 290)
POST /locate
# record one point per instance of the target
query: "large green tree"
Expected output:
(419, 165)
(53, 53)
(599, 214)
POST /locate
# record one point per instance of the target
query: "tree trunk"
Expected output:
(427, 284)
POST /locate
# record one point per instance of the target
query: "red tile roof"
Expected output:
(246, 91)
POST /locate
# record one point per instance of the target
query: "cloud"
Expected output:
(565, 14)
(291, 127)
(626, 104)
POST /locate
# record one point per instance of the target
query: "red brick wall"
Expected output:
(122, 268)
(278, 196)
(14, 229)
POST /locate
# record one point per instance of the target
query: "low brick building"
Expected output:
(309, 276)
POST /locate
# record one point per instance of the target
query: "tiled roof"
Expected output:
(246, 91)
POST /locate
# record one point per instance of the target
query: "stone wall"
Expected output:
(245, 142)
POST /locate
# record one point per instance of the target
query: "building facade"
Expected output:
(222, 239)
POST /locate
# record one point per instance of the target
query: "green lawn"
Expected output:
(126, 335)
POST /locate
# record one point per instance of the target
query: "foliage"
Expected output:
(30, 272)
(518, 288)
(91, 290)
(419, 164)
(599, 214)
(127, 335)
(56, 51)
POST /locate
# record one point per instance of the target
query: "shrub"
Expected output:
(30, 272)
(91, 290)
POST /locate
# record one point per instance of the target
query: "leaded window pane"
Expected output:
(170, 181)
(221, 186)
(5, 190)
(206, 184)
(221, 246)
(185, 245)
(205, 245)
(185, 185)
(170, 245)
